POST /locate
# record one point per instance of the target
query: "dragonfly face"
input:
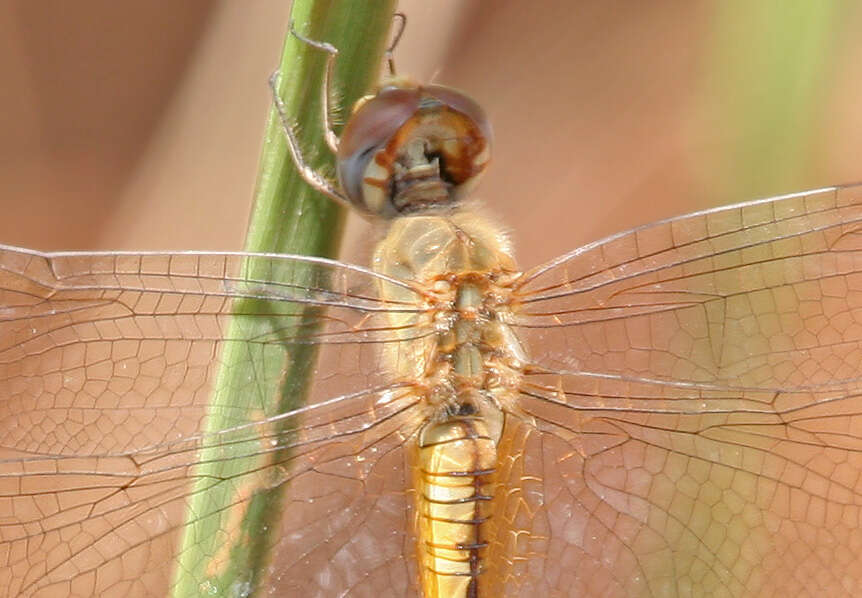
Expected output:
(685, 421)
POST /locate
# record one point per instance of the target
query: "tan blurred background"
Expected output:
(137, 125)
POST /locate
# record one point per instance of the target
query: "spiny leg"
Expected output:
(332, 139)
(314, 178)
(331, 55)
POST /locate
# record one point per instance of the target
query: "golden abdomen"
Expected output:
(457, 459)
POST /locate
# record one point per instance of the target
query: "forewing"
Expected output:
(765, 294)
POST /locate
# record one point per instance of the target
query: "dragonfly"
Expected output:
(670, 411)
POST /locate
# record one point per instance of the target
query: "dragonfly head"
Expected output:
(411, 148)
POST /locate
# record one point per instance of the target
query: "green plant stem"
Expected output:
(232, 517)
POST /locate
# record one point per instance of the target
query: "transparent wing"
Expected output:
(107, 367)
(765, 294)
(143, 332)
(697, 401)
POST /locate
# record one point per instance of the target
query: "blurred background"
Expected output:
(138, 125)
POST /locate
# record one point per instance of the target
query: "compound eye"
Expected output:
(412, 148)
(369, 130)
(463, 104)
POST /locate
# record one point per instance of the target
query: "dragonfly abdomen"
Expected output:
(457, 460)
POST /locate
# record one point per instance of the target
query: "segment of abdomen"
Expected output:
(454, 473)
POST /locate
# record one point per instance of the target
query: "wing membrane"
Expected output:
(112, 505)
(134, 339)
(650, 488)
(765, 294)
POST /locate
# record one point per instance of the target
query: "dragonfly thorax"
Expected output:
(470, 362)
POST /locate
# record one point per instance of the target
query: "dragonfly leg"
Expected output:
(314, 178)
(390, 59)
(331, 55)
(311, 176)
